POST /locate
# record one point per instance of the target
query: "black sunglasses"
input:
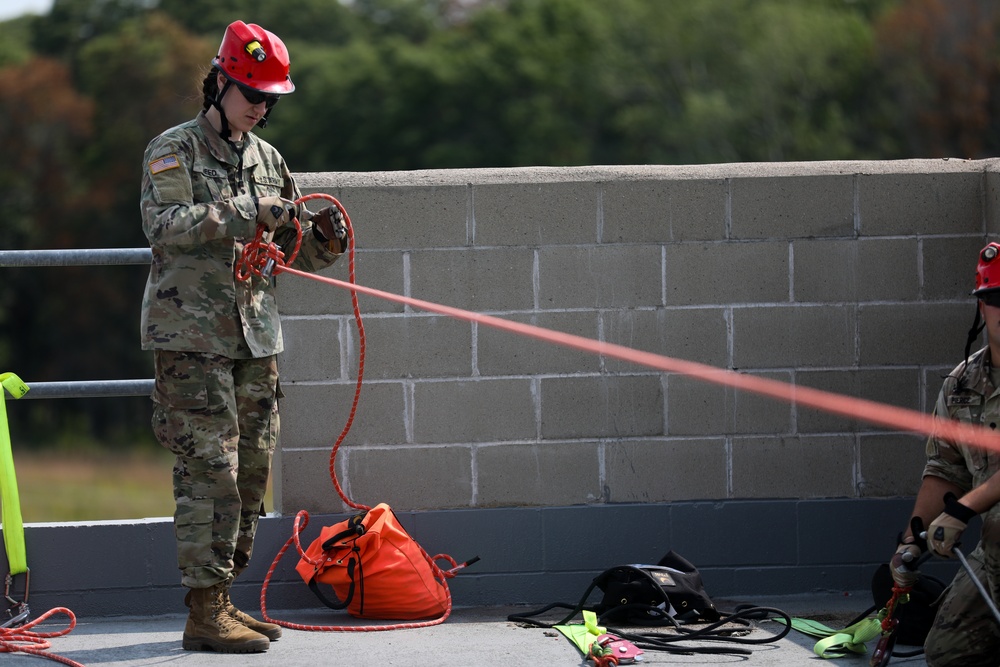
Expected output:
(256, 97)
(991, 299)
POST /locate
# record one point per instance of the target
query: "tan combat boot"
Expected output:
(210, 628)
(269, 630)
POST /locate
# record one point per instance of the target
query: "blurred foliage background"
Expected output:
(417, 84)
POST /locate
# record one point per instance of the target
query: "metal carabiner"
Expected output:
(9, 582)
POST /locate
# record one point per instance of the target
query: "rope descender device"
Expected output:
(265, 258)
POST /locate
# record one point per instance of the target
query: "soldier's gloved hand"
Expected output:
(328, 225)
(903, 565)
(273, 212)
(943, 534)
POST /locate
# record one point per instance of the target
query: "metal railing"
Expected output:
(81, 257)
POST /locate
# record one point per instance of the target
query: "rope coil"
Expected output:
(264, 259)
(23, 640)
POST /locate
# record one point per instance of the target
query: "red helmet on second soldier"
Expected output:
(988, 270)
(254, 57)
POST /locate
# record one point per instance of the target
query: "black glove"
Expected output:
(328, 226)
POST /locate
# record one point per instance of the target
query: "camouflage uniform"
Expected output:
(965, 632)
(214, 338)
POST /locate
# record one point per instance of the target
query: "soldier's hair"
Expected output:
(209, 88)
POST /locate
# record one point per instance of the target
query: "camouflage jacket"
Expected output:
(197, 212)
(977, 402)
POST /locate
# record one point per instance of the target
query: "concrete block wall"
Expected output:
(850, 277)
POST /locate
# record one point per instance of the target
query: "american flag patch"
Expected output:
(164, 163)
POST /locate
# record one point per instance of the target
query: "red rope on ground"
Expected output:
(23, 640)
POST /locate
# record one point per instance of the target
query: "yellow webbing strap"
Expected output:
(839, 643)
(13, 527)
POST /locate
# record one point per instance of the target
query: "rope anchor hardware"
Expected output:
(17, 613)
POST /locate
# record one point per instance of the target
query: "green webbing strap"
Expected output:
(839, 643)
(13, 528)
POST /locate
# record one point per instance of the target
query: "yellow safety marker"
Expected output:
(13, 527)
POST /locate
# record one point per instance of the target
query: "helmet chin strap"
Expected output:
(977, 328)
(225, 133)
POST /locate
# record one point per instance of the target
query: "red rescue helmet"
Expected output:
(988, 270)
(254, 57)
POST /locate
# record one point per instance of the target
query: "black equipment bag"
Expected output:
(644, 594)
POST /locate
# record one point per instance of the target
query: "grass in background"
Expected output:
(57, 485)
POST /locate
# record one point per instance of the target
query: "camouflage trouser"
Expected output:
(965, 632)
(219, 416)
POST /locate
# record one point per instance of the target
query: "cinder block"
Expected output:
(601, 406)
(691, 334)
(494, 279)
(891, 464)
(483, 410)
(505, 353)
(660, 470)
(902, 333)
(871, 526)
(783, 336)
(856, 270)
(303, 339)
(381, 270)
(550, 473)
(404, 217)
(943, 261)
(789, 207)
(535, 214)
(642, 535)
(486, 533)
(599, 277)
(794, 467)
(303, 482)
(661, 211)
(725, 273)
(696, 407)
(314, 415)
(895, 386)
(417, 346)
(920, 203)
(410, 478)
(733, 533)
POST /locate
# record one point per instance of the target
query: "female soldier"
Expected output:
(207, 184)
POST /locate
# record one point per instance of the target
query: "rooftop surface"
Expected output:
(470, 637)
